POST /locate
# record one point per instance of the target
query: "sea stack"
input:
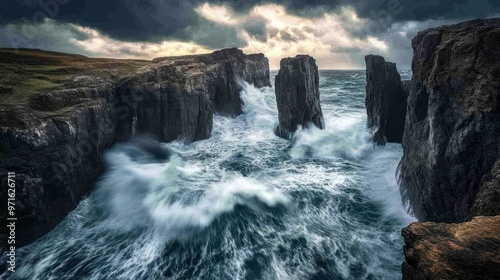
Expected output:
(452, 130)
(297, 95)
(385, 100)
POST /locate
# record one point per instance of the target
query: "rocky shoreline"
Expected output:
(54, 140)
(453, 123)
(466, 250)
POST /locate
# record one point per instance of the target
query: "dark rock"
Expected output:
(297, 95)
(168, 100)
(453, 122)
(176, 97)
(407, 86)
(57, 157)
(469, 250)
(55, 140)
(223, 72)
(487, 202)
(385, 100)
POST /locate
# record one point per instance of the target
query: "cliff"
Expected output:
(452, 126)
(469, 250)
(60, 112)
(450, 170)
(297, 95)
(385, 100)
(188, 91)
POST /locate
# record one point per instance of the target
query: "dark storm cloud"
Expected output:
(286, 36)
(48, 36)
(213, 35)
(256, 27)
(401, 10)
(134, 20)
(157, 20)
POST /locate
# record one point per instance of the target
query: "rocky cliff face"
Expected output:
(467, 250)
(56, 155)
(54, 139)
(385, 100)
(452, 127)
(487, 202)
(221, 71)
(176, 97)
(297, 95)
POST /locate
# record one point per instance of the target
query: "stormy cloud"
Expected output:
(155, 20)
(340, 30)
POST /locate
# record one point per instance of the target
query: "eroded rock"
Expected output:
(297, 95)
(469, 250)
(385, 100)
(453, 124)
(54, 141)
(487, 202)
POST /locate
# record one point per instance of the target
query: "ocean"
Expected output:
(243, 204)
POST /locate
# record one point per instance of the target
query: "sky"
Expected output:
(338, 33)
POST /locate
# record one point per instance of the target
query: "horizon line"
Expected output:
(338, 69)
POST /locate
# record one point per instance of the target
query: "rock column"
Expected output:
(385, 100)
(297, 95)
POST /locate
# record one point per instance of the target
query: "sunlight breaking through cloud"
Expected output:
(333, 38)
(327, 38)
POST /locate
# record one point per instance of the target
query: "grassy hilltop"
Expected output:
(27, 72)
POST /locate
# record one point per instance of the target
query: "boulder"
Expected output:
(297, 95)
(469, 250)
(385, 100)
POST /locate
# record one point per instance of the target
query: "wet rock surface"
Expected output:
(450, 169)
(297, 95)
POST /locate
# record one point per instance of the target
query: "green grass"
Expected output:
(19, 82)
(25, 73)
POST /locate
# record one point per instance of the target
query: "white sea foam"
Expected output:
(168, 194)
(327, 202)
(331, 143)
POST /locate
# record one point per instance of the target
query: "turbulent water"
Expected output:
(244, 204)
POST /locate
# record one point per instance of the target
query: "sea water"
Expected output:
(243, 204)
